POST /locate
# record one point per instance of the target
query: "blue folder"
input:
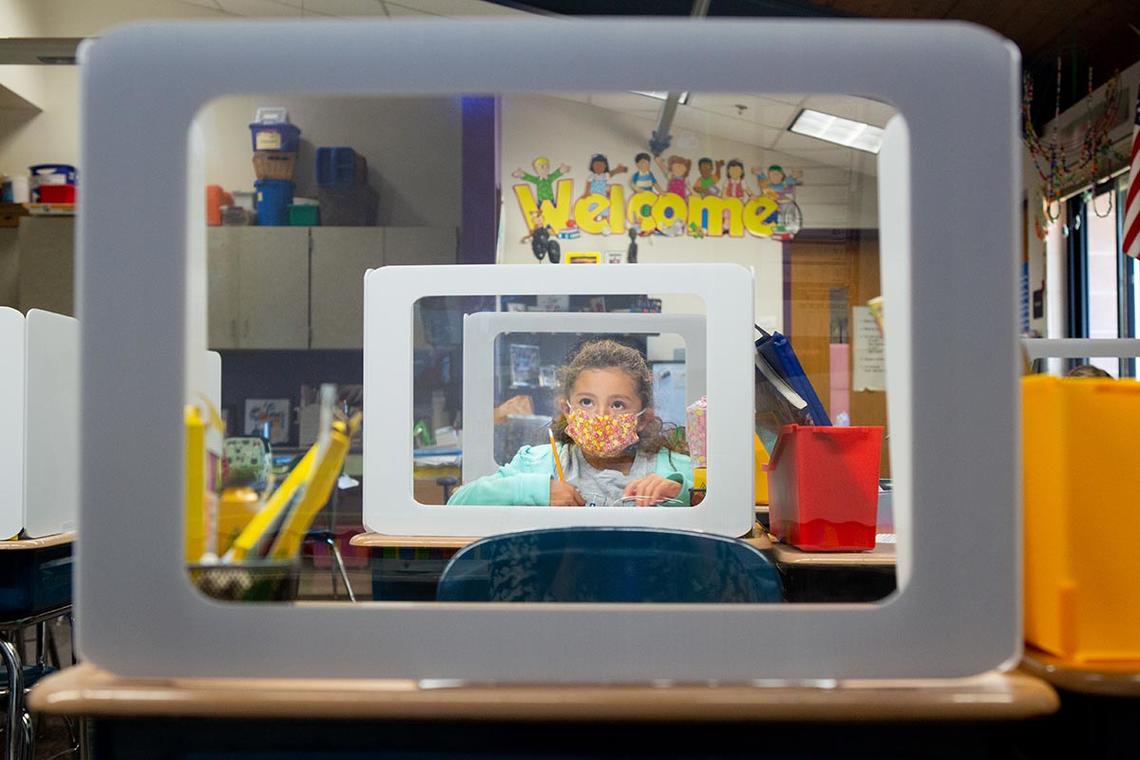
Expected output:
(777, 351)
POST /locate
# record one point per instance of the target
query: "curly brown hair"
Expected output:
(610, 354)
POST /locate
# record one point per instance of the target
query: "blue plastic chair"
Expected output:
(609, 565)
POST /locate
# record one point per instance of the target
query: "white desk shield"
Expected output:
(950, 196)
(11, 422)
(481, 329)
(51, 465)
(389, 296)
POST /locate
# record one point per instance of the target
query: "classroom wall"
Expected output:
(51, 133)
(570, 132)
(413, 147)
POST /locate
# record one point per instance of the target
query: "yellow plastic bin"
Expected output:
(1082, 517)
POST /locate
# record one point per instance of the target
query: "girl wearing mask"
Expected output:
(613, 450)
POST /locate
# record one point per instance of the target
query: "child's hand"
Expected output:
(517, 173)
(652, 489)
(562, 494)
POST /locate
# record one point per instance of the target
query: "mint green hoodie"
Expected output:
(525, 480)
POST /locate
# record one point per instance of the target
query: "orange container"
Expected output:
(216, 197)
(1080, 437)
(823, 487)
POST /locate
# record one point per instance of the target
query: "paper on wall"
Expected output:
(868, 367)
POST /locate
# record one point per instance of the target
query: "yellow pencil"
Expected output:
(557, 458)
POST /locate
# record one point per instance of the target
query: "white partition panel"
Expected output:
(481, 329)
(11, 422)
(51, 465)
(948, 256)
(390, 294)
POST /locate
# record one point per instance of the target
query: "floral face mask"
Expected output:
(602, 435)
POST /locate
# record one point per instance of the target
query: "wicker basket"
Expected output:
(257, 581)
(273, 164)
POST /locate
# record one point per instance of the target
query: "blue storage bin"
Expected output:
(340, 167)
(34, 580)
(274, 196)
(67, 170)
(284, 137)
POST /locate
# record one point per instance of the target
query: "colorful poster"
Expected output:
(270, 414)
(868, 365)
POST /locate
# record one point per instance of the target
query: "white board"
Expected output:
(11, 422)
(51, 465)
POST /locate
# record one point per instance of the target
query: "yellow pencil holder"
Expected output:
(1080, 437)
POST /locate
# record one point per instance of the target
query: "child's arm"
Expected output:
(618, 170)
(514, 484)
(661, 162)
(719, 166)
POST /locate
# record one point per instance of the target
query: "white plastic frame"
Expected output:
(949, 191)
(482, 328)
(391, 292)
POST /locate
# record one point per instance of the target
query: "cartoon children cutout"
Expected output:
(543, 179)
(778, 184)
(735, 186)
(782, 188)
(598, 180)
(677, 170)
(708, 182)
(644, 180)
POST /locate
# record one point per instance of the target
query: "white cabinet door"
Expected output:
(340, 257)
(273, 287)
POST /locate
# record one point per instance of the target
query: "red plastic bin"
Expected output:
(57, 193)
(823, 487)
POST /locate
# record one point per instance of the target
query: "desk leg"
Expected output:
(14, 722)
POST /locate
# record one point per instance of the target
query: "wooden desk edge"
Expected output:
(56, 539)
(85, 690)
(1113, 679)
(385, 541)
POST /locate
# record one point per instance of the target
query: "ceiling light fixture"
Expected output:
(835, 129)
(683, 100)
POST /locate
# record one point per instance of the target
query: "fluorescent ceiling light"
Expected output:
(836, 129)
(683, 100)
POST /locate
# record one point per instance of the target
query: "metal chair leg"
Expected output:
(330, 542)
(14, 723)
(339, 560)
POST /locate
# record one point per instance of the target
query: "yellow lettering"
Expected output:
(669, 209)
(641, 210)
(716, 208)
(756, 214)
(587, 212)
(617, 209)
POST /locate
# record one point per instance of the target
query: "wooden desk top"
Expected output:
(38, 543)
(86, 690)
(1114, 679)
(383, 541)
(883, 555)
